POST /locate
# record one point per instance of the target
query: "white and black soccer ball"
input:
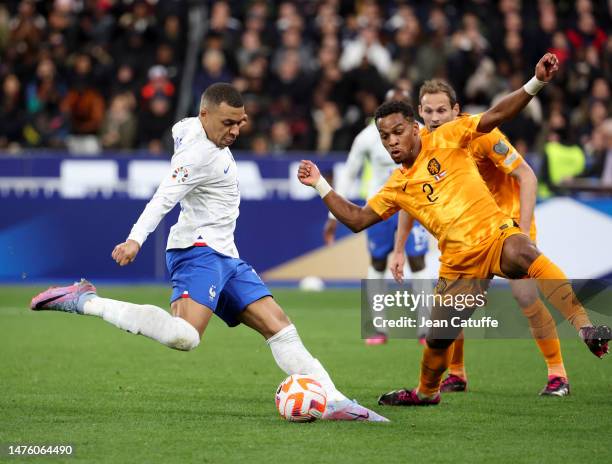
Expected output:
(300, 398)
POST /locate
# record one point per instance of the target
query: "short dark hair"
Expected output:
(221, 92)
(392, 107)
(438, 86)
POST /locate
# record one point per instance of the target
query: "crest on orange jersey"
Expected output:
(433, 167)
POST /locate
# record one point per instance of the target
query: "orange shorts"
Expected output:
(483, 261)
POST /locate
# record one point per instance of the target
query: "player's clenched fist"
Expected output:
(125, 252)
(308, 173)
(547, 67)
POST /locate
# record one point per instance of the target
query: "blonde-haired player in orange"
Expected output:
(513, 186)
(439, 185)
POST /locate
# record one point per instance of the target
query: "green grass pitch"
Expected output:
(119, 398)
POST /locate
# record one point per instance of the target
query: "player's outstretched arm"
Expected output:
(528, 185)
(354, 217)
(398, 257)
(511, 104)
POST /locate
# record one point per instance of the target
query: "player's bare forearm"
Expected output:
(397, 259)
(351, 215)
(504, 110)
(528, 184)
(404, 224)
(510, 105)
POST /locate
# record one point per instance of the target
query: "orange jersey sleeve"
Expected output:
(496, 158)
(459, 132)
(444, 191)
(383, 203)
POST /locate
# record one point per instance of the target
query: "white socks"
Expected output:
(293, 358)
(148, 320)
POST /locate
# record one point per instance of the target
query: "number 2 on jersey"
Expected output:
(429, 190)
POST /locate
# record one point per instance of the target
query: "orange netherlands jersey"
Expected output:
(445, 192)
(496, 158)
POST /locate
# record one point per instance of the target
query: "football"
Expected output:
(300, 398)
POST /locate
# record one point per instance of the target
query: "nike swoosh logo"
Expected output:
(226, 169)
(48, 300)
(357, 415)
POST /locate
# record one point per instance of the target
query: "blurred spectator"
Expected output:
(27, 30)
(366, 47)
(140, 19)
(47, 125)
(293, 43)
(291, 81)
(172, 35)
(118, 129)
(165, 56)
(83, 104)
(563, 159)
(467, 50)
(5, 20)
(44, 89)
(158, 85)
(602, 152)
(432, 54)
(225, 25)
(154, 125)
(260, 145)
(258, 19)
(586, 33)
(404, 47)
(12, 113)
(280, 137)
(251, 47)
(125, 80)
(213, 70)
(332, 134)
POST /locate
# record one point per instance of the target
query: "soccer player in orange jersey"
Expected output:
(513, 186)
(439, 185)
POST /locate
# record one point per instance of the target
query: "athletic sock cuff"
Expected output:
(283, 334)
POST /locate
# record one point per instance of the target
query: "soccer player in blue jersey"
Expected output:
(208, 277)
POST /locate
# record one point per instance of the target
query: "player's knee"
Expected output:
(517, 255)
(527, 254)
(184, 337)
(416, 263)
(525, 298)
(379, 264)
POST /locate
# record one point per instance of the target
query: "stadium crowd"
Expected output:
(311, 72)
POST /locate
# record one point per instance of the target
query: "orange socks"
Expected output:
(558, 291)
(544, 332)
(434, 363)
(456, 362)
